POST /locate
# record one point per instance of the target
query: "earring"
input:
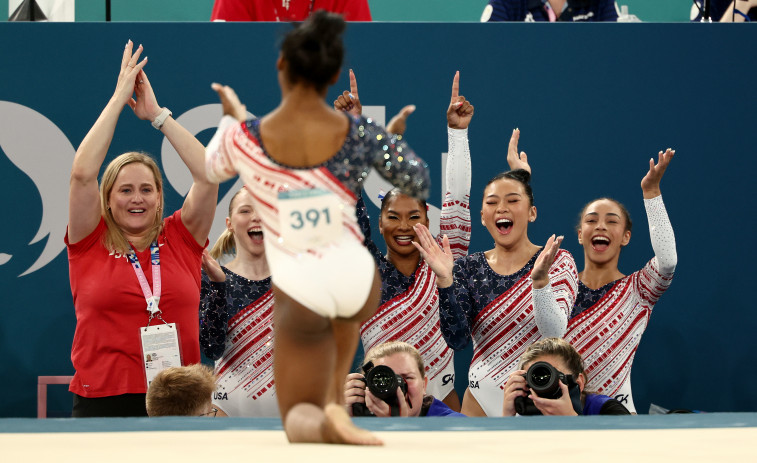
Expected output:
(530, 220)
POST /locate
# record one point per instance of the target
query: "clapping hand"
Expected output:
(439, 259)
(212, 268)
(540, 272)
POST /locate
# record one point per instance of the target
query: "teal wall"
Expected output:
(382, 10)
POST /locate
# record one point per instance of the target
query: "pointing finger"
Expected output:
(353, 84)
(455, 86)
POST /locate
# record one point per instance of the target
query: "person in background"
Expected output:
(550, 10)
(236, 315)
(409, 308)
(405, 361)
(287, 10)
(506, 298)
(726, 10)
(563, 357)
(128, 265)
(182, 391)
(612, 310)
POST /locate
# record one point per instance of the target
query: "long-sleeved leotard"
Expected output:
(409, 309)
(313, 243)
(503, 314)
(607, 323)
(236, 330)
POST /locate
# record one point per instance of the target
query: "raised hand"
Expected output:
(350, 101)
(230, 102)
(127, 77)
(515, 160)
(650, 184)
(212, 268)
(398, 124)
(440, 260)
(145, 106)
(540, 272)
(460, 111)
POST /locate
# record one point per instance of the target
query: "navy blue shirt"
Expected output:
(538, 10)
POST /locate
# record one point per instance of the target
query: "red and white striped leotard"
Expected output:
(608, 333)
(331, 278)
(411, 313)
(503, 314)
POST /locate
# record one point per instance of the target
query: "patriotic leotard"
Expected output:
(607, 323)
(409, 309)
(503, 315)
(236, 330)
(333, 275)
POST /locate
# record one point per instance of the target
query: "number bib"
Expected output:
(309, 218)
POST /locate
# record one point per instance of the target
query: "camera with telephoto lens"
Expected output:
(544, 380)
(383, 382)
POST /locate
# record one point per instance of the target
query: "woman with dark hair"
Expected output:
(128, 265)
(236, 315)
(505, 298)
(608, 299)
(304, 164)
(409, 308)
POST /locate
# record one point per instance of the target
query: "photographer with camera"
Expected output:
(550, 380)
(393, 383)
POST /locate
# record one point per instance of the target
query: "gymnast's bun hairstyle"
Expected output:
(314, 49)
(519, 175)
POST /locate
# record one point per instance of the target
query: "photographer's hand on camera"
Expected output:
(382, 409)
(557, 407)
(354, 391)
(514, 387)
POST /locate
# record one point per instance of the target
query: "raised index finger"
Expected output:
(455, 86)
(353, 84)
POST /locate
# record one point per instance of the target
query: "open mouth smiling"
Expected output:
(504, 226)
(600, 243)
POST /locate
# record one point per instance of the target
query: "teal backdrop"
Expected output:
(594, 102)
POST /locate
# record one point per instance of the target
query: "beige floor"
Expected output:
(638, 446)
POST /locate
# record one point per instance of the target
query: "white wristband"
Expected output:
(161, 119)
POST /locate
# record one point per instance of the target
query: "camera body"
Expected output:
(383, 382)
(544, 379)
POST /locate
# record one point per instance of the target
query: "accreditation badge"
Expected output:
(160, 348)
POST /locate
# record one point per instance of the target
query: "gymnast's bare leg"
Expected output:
(312, 356)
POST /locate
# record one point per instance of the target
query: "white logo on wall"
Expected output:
(42, 151)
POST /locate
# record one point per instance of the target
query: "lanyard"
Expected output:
(152, 297)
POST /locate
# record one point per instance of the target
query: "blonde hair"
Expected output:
(396, 347)
(180, 391)
(225, 243)
(114, 240)
(557, 347)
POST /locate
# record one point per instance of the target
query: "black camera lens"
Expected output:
(383, 381)
(544, 379)
(540, 376)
